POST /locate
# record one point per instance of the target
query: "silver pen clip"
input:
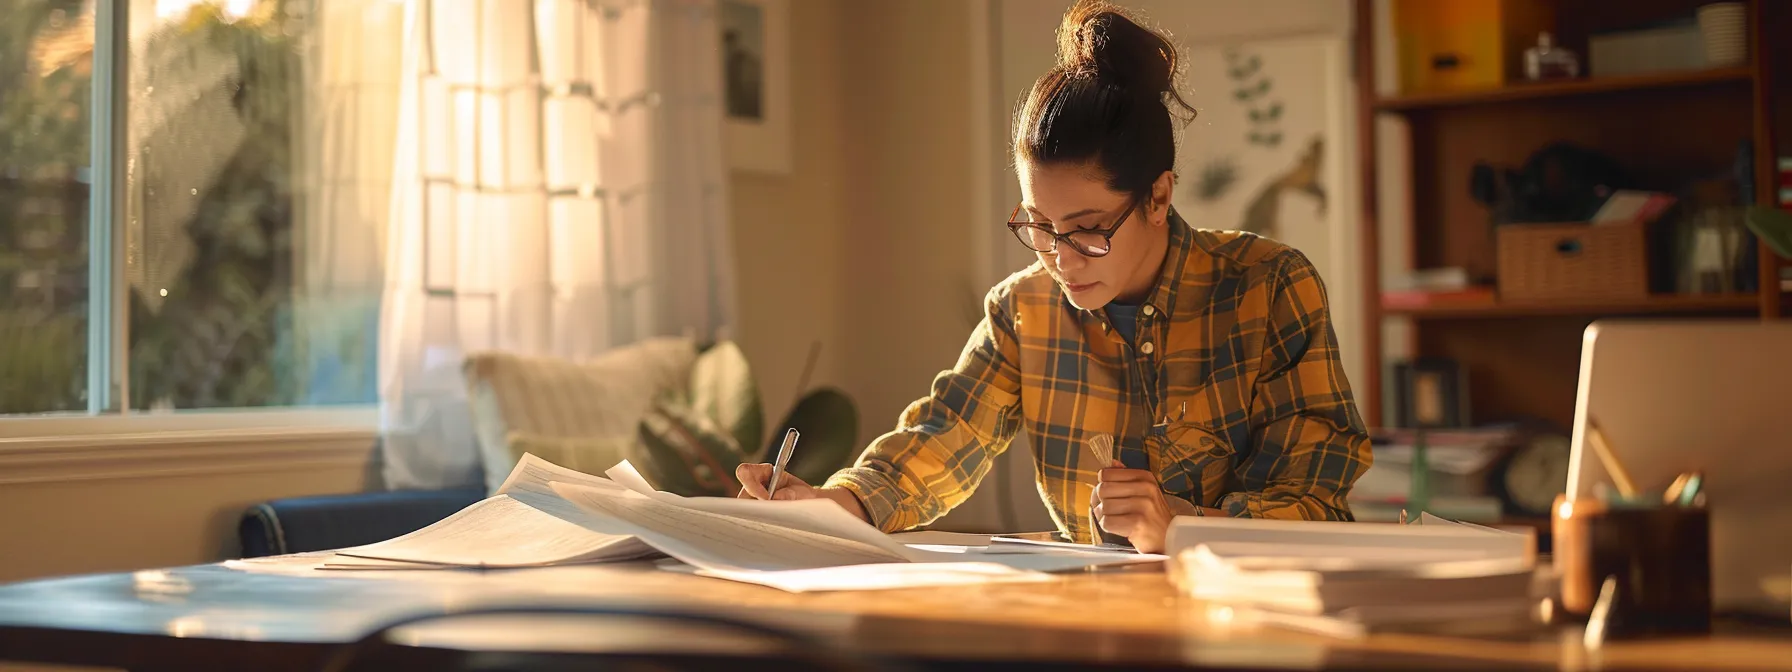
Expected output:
(1181, 412)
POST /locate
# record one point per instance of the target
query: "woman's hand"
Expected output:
(753, 478)
(1129, 502)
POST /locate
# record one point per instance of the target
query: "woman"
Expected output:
(1205, 358)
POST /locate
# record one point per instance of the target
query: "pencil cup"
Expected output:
(1658, 557)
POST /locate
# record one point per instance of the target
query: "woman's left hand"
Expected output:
(1130, 503)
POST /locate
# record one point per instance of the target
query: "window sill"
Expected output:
(80, 448)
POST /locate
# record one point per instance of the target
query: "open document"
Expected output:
(523, 524)
(545, 514)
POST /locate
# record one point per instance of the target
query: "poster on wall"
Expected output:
(1266, 154)
(1260, 154)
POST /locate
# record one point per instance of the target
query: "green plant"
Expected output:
(1773, 226)
(725, 395)
(828, 422)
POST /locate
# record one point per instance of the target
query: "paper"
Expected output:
(1187, 532)
(713, 541)
(883, 576)
(819, 516)
(938, 538)
(532, 475)
(504, 531)
(1244, 555)
(1053, 560)
(525, 524)
(1021, 544)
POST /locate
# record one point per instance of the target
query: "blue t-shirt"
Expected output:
(1125, 317)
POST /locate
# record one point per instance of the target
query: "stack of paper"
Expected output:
(1349, 578)
(545, 514)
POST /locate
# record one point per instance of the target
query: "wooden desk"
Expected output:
(212, 617)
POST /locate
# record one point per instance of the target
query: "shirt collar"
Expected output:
(1162, 298)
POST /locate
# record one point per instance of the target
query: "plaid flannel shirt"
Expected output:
(1234, 391)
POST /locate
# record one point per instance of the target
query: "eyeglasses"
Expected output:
(1039, 237)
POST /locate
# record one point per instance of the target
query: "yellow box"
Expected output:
(1452, 45)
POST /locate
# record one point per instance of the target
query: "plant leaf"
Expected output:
(724, 390)
(829, 423)
(1774, 227)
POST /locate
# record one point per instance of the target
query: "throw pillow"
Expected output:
(591, 455)
(603, 397)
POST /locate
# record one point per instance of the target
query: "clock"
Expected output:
(1534, 474)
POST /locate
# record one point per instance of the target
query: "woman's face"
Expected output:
(1072, 197)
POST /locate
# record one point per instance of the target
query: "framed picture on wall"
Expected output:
(755, 51)
(1430, 393)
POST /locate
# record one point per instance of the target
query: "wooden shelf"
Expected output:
(1653, 305)
(1563, 89)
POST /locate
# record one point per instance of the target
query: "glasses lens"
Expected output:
(1090, 243)
(1034, 239)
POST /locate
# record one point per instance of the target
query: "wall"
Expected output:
(865, 244)
(917, 279)
(93, 504)
(791, 231)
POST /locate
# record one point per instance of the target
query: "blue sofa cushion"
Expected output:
(303, 524)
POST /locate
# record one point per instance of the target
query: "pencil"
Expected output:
(1620, 477)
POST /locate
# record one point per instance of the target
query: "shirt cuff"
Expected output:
(1274, 504)
(876, 491)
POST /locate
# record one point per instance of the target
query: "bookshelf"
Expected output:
(1664, 128)
(1678, 83)
(1521, 356)
(1660, 304)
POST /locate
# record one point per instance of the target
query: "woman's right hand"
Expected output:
(753, 478)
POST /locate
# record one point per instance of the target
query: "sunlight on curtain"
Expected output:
(558, 190)
(354, 65)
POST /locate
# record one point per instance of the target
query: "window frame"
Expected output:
(109, 414)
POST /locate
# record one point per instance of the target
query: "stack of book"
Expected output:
(1351, 578)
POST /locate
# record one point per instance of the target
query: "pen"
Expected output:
(783, 458)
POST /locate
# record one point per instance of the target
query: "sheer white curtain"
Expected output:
(558, 189)
(352, 68)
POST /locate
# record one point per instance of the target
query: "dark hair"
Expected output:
(1106, 101)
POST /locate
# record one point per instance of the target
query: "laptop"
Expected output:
(1707, 395)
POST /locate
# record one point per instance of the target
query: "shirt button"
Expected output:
(1145, 347)
(1148, 310)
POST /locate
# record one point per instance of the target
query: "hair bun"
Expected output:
(1100, 41)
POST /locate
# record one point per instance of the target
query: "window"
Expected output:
(45, 120)
(200, 229)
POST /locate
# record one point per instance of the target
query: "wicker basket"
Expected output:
(1542, 262)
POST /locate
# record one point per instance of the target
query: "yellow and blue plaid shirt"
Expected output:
(1232, 389)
